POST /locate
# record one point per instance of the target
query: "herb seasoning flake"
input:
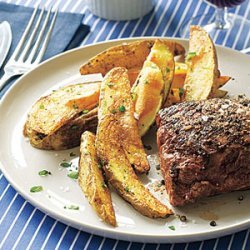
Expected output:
(73, 175)
(44, 172)
(36, 189)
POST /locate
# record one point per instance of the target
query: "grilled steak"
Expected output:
(204, 148)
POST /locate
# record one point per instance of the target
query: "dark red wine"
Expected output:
(225, 3)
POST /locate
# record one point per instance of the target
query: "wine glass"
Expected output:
(222, 21)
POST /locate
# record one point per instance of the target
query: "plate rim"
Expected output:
(111, 232)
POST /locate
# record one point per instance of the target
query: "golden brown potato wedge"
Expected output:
(115, 98)
(153, 84)
(129, 55)
(148, 95)
(119, 172)
(202, 71)
(92, 182)
(57, 121)
(162, 55)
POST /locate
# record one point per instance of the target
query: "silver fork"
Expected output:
(26, 56)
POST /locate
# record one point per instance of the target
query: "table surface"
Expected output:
(23, 226)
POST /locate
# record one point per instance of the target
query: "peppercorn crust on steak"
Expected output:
(204, 148)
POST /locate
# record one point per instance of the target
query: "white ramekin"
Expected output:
(120, 9)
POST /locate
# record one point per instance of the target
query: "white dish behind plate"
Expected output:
(21, 163)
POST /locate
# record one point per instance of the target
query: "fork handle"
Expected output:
(5, 78)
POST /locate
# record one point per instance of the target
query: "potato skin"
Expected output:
(119, 172)
(92, 182)
(128, 55)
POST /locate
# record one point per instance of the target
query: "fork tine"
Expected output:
(31, 38)
(23, 38)
(39, 38)
(46, 40)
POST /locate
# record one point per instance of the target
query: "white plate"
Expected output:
(20, 162)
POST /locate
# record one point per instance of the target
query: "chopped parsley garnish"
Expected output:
(73, 175)
(44, 172)
(190, 55)
(41, 106)
(65, 164)
(172, 228)
(72, 207)
(85, 111)
(167, 69)
(127, 189)
(36, 189)
(72, 154)
(122, 108)
(181, 92)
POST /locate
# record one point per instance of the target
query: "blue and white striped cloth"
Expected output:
(23, 226)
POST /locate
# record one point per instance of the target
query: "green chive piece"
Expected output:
(65, 164)
(172, 228)
(36, 189)
(72, 207)
(85, 111)
(127, 189)
(44, 172)
(41, 106)
(122, 109)
(73, 175)
(167, 69)
(190, 55)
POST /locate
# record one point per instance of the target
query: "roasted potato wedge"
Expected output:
(119, 172)
(162, 55)
(115, 98)
(153, 84)
(148, 95)
(92, 182)
(202, 71)
(57, 121)
(129, 55)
